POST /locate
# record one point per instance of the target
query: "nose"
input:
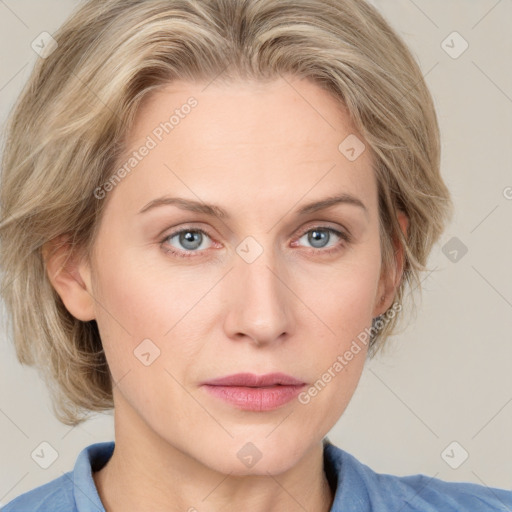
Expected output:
(260, 308)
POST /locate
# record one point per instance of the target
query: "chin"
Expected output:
(273, 464)
(257, 455)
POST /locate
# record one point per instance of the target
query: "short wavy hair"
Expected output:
(68, 128)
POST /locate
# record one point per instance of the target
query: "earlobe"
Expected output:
(390, 283)
(70, 277)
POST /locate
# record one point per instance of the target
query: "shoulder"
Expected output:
(73, 491)
(359, 486)
(56, 496)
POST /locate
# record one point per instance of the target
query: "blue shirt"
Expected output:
(357, 489)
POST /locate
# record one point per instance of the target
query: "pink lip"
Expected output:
(251, 392)
(253, 381)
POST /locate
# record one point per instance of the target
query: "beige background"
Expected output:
(448, 377)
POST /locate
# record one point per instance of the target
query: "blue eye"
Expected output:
(191, 240)
(319, 236)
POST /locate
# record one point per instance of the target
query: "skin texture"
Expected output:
(260, 151)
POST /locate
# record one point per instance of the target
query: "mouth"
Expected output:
(250, 392)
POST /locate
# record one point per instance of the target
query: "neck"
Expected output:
(143, 477)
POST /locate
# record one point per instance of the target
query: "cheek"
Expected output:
(340, 353)
(132, 292)
(343, 295)
(342, 300)
(138, 300)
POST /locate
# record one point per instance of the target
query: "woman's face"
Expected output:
(262, 289)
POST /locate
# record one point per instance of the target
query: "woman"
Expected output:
(217, 207)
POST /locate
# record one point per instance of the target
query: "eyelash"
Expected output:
(345, 237)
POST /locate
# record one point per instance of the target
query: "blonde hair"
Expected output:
(68, 128)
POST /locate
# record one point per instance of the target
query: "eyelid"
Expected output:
(178, 231)
(341, 232)
(322, 224)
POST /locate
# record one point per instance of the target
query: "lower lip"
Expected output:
(256, 399)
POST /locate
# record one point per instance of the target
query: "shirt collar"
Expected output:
(90, 459)
(350, 489)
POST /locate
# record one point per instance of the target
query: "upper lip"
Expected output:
(254, 381)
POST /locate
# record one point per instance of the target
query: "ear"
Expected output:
(389, 283)
(70, 276)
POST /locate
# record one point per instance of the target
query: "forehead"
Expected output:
(284, 138)
(250, 113)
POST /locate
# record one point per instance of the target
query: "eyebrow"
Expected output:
(217, 211)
